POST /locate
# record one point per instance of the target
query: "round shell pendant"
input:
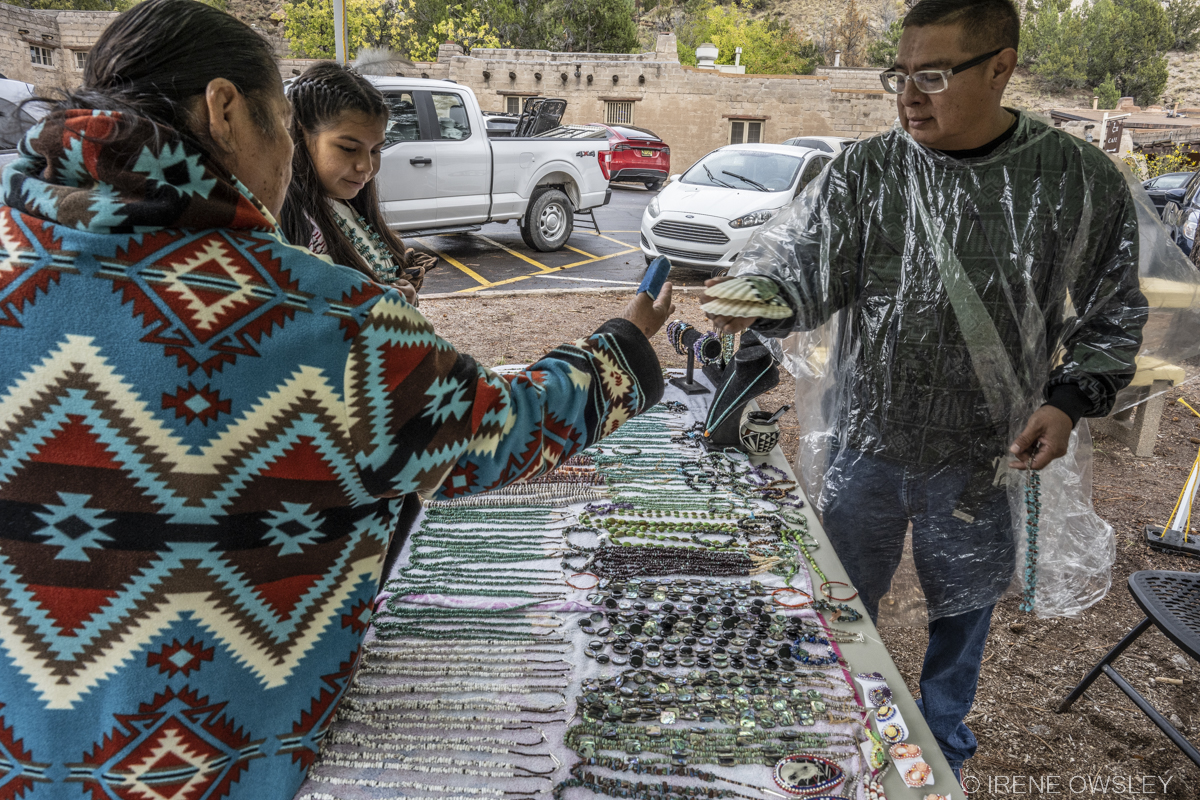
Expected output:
(808, 776)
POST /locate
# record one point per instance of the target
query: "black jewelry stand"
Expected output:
(751, 373)
(688, 383)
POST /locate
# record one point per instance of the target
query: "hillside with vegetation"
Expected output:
(1070, 53)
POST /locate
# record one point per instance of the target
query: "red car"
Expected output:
(635, 155)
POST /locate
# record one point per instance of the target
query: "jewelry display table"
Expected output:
(493, 661)
(870, 655)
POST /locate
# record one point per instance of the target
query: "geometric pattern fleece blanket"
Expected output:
(205, 433)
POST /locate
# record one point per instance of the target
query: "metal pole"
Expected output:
(339, 30)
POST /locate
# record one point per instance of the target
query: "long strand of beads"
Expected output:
(452, 766)
(1033, 511)
(424, 787)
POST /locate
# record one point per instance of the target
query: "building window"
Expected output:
(512, 105)
(745, 131)
(80, 59)
(618, 112)
(41, 55)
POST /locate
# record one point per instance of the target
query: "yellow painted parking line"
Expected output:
(554, 269)
(472, 274)
(512, 252)
(574, 250)
(594, 259)
(611, 239)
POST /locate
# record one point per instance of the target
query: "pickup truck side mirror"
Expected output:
(674, 178)
(1176, 195)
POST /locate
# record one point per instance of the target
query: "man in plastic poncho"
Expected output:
(985, 271)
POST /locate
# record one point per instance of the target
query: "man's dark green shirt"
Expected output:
(1045, 230)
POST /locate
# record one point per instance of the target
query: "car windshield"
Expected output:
(1173, 181)
(745, 169)
(815, 144)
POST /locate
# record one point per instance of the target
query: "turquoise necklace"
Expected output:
(384, 272)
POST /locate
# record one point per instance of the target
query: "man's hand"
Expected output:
(1044, 439)
(723, 325)
(650, 315)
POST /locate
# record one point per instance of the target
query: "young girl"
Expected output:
(332, 207)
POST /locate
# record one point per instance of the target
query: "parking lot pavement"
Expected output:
(496, 259)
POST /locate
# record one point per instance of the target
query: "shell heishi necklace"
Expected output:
(475, 792)
(437, 764)
(390, 743)
(391, 721)
(464, 704)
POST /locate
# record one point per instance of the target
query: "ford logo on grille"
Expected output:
(689, 216)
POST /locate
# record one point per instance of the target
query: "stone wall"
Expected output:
(691, 108)
(853, 77)
(63, 33)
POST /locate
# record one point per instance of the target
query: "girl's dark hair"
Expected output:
(319, 97)
(160, 55)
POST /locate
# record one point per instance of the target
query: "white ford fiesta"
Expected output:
(703, 218)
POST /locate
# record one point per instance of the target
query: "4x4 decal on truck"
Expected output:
(586, 154)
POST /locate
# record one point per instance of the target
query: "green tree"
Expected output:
(1107, 93)
(595, 26)
(1051, 45)
(1073, 47)
(1184, 18)
(463, 25)
(882, 51)
(1128, 39)
(308, 26)
(524, 24)
(769, 46)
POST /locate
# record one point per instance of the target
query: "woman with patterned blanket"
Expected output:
(204, 430)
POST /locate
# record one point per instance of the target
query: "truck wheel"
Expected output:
(525, 236)
(549, 221)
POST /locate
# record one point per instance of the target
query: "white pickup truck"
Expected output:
(441, 173)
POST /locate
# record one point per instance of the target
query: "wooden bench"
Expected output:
(1137, 427)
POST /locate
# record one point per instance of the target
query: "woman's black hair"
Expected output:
(319, 97)
(157, 58)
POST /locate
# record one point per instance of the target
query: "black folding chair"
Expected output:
(1171, 601)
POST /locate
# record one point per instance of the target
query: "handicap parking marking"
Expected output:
(542, 267)
(455, 263)
(577, 250)
(497, 257)
(547, 273)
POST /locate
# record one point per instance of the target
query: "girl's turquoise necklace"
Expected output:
(385, 271)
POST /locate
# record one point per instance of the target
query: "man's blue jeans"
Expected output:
(964, 562)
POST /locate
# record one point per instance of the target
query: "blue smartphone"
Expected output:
(656, 276)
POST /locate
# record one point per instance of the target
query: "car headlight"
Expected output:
(754, 218)
(653, 208)
(1189, 224)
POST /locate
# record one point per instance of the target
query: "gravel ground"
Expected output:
(1026, 749)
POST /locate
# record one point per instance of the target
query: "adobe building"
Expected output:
(48, 48)
(694, 109)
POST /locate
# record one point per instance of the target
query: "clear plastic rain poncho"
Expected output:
(939, 302)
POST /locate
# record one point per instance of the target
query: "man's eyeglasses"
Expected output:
(930, 81)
